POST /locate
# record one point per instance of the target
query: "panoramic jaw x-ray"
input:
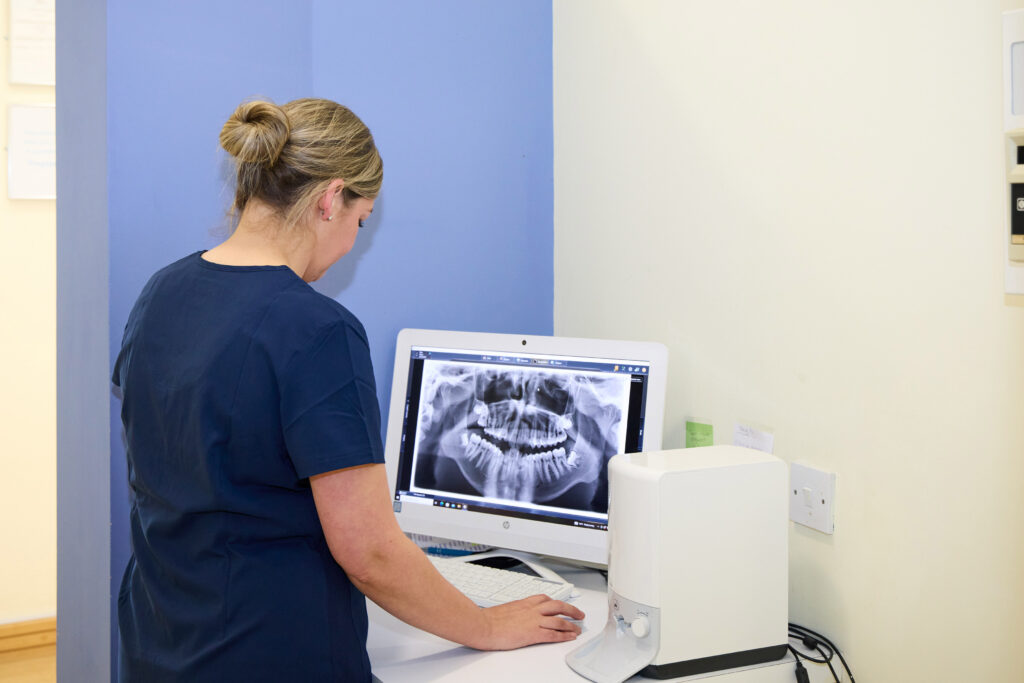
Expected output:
(528, 435)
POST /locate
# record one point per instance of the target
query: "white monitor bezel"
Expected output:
(542, 538)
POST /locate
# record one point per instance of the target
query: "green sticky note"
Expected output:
(699, 434)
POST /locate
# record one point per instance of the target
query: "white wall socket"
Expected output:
(812, 495)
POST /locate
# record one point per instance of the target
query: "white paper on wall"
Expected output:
(751, 437)
(33, 42)
(32, 152)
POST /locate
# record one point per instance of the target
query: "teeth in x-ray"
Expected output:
(546, 436)
(546, 466)
(549, 465)
(525, 434)
(479, 450)
(480, 408)
(532, 437)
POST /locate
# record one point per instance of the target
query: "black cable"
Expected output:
(833, 646)
(805, 655)
(801, 672)
(828, 661)
(803, 631)
(811, 643)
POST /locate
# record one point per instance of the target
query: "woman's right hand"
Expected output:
(536, 619)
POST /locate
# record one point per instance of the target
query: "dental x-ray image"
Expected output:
(520, 434)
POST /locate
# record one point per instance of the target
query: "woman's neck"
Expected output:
(261, 239)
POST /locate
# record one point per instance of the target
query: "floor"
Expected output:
(33, 665)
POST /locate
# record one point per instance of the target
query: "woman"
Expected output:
(260, 513)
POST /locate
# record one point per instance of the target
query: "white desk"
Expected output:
(400, 653)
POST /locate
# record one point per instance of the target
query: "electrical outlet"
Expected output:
(811, 497)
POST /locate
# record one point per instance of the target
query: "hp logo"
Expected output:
(505, 524)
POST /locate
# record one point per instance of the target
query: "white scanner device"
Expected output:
(697, 565)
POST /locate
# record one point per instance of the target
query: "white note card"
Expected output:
(33, 42)
(32, 152)
(749, 437)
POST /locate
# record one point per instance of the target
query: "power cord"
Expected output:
(828, 660)
(813, 641)
(801, 671)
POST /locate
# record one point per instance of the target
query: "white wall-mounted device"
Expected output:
(1013, 125)
(698, 565)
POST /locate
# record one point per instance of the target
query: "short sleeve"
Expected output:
(329, 403)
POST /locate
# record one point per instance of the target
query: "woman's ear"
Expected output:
(326, 201)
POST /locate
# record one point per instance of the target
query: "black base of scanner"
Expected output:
(733, 660)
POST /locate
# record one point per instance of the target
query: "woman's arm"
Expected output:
(355, 511)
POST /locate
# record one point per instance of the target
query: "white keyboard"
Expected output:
(487, 586)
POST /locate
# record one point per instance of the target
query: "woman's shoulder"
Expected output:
(180, 266)
(164, 279)
(302, 308)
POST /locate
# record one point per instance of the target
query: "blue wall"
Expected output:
(458, 95)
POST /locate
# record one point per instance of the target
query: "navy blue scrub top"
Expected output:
(239, 383)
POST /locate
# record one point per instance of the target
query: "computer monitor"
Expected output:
(504, 440)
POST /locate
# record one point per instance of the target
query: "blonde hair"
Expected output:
(287, 155)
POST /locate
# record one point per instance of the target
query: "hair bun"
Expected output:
(256, 133)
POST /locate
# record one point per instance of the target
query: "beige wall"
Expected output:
(28, 497)
(803, 200)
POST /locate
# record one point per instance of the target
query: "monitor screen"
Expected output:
(504, 440)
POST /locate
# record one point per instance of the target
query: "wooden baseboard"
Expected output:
(25, 634)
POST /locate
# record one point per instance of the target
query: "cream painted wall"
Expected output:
(28, 450)
(803, 200)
